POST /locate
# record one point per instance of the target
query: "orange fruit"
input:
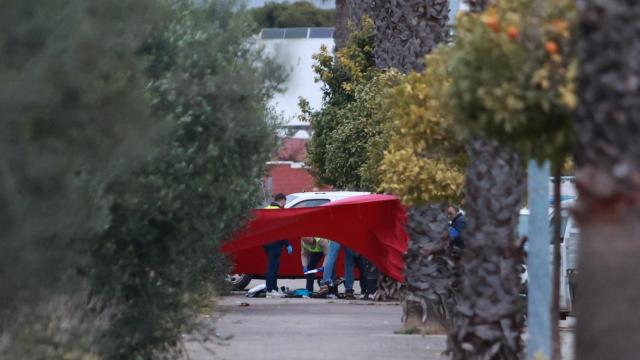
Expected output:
(513, 32)
(492, 22)
(551, 47)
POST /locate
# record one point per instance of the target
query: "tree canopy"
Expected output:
(296, 14)
(425, 160)
(169, 218)
(74, 116)
(350, 130)
(134, 139)
(514, 76)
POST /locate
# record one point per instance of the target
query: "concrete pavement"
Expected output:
(309, 329)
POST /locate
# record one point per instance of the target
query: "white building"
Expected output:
(294, 48)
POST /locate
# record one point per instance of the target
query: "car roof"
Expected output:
(331, 195)
(320, 194)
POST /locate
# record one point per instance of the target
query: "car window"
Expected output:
(290, 198)
(563, 227)
(310, 203)
(563, 230)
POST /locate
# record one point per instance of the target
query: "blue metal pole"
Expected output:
(539, 264)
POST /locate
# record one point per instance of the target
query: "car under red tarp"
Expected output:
(370, 225)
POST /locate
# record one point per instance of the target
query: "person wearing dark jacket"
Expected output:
(274, 250)
(457, 224)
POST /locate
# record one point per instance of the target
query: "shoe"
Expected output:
(338, 282)
(322, 293)
(275, 294)
(349, 295)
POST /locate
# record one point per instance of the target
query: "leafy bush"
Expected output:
(158, 259)
(513, 74)
(349, 131)
(74, 116)
(355, 149)
(425, 159)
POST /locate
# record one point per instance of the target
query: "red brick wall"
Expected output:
(289, 180)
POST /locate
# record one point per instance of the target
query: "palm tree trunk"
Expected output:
(608, 180)
(358, 9)
(429, 271)
(342, 23)
(407, 30)
(388, 289)
(489, 317)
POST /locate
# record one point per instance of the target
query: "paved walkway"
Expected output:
(309, 329)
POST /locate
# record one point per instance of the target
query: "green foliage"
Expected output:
(425, 159)
(514, 75)
(356, 145)
(350, 130)
(297, 14)
(158, 259)
(74, 115)
(353, 63)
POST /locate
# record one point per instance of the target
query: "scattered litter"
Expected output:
(244, 304)
(257, 291)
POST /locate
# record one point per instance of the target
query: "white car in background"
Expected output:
(568, 253)
(311, 199)
(296, 200)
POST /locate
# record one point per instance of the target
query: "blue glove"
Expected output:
(289, 249)
(305, 269)
(321, 269)
(453, 233)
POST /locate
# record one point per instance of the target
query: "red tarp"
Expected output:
(371, 225)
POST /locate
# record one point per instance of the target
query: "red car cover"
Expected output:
(371, 225)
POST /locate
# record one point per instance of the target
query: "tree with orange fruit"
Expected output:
(512, 92)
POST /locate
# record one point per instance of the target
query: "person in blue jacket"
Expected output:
(457, 224)
(274, 250)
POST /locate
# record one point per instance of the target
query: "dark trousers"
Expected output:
(360, 263)
(368, 275)
(314, 259)
(273, 250)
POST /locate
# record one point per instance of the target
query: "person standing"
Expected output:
(457, 224)
(274, 250)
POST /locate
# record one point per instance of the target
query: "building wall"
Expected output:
(296, 56)
(287, 179)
